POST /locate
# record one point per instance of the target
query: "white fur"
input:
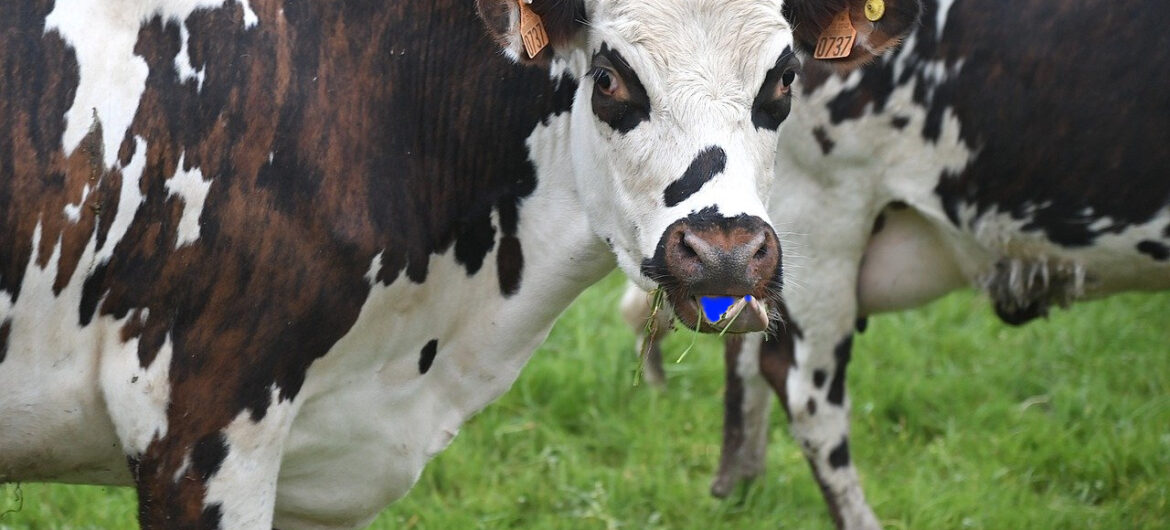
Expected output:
(130, 198)
(136, 396)
(183, 61)
(944, 9)
(189, 185)
(73, 211)
(245, 484)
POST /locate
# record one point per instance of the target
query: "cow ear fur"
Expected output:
(563, 21)
(810, 17)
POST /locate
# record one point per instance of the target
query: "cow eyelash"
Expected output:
(595, 73)
(600, 73)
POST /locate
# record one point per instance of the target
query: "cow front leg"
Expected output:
(212, 478)
(747, 403)
(810, 380)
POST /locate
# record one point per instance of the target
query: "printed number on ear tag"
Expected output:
(836, 41)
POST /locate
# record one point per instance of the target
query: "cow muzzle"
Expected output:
(720, 274)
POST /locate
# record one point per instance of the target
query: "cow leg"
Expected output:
(214, 478)
(747, 402)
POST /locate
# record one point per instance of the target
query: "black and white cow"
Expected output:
(1021, 148)
(262, 258)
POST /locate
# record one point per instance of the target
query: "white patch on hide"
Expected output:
(245, 485)
(944, 8)
(250, 18)
(183, 61)
(192, 189)
(73, 211)
(129, 200)
(136, 397)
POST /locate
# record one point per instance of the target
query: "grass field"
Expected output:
(959, 422)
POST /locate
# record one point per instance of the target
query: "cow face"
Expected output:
(674, 128)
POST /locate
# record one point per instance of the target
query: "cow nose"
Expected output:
(730, 258)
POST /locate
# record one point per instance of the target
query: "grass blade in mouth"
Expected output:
(651, 330)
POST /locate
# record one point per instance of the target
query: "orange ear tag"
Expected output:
(531, 30)
(837, 40)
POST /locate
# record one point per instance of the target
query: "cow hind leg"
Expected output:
(747, 403)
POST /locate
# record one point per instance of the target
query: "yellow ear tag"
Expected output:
(836, 41)
(531, 30)
(874, 9)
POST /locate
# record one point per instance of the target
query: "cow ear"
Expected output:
(558, 22)
(880, 25)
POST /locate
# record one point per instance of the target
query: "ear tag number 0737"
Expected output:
(836, 41)
(532, 31)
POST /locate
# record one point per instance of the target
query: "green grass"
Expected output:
(959, 422)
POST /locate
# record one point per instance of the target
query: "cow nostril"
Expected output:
(761, 245)
(685, 249)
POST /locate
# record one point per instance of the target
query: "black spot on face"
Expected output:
(630, 105)
(823, 140)
(5, 330)
(774, 100)
(427, 356)
(706, 165)
(899, 122)
(208, 455)
(812, 407)
(841, 354)
(839, 456)
(1154, 249)
(819, 378)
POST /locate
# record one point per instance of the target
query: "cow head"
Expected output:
(674, 128)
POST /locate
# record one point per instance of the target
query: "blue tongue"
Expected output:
(715, 306)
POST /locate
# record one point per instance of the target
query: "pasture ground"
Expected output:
(959, 422)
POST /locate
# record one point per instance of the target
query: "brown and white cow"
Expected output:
(262, 258)
(1016, 147)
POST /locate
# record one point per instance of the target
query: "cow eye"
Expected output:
(605, 81)
(788, 77)
(784, 84)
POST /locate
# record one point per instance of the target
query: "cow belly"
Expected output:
(53, 421)
(905, 265)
